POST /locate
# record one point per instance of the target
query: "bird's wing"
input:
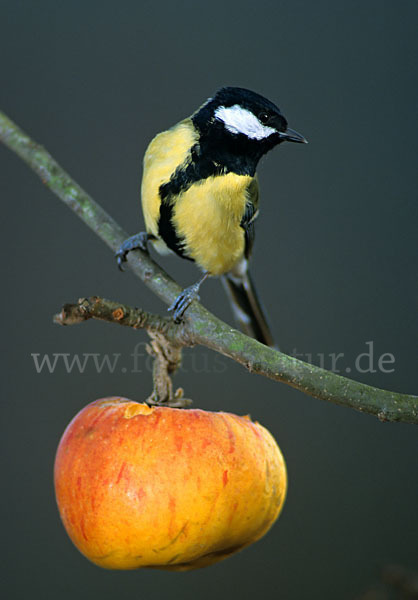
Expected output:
(250, 215)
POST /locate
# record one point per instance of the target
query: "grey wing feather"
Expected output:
(250, 215)
(246, 306)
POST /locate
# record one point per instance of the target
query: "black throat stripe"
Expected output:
(194, 169)
(197, 166)
(209, 158)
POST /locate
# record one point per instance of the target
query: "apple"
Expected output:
(140, 486)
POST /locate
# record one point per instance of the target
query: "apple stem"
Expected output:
(167, 359)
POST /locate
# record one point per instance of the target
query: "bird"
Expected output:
(200, 196)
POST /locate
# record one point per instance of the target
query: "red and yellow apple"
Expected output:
(141, 486)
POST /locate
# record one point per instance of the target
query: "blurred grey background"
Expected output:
(334, 263)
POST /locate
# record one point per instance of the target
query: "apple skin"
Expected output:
(141, 486)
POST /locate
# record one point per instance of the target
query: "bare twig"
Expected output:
(121, 314)
(203, 327)
(167, 340)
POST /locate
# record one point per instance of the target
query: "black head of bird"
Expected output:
(236, 123)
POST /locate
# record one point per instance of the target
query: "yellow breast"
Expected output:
(165, 153)
(208, 217)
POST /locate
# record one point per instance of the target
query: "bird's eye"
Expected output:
(263, 117)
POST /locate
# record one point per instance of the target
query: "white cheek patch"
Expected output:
(240, 120)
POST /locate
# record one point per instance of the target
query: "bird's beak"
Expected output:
(290, 135)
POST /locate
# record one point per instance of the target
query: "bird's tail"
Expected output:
(246, 306)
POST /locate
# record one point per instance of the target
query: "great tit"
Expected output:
(200, 196)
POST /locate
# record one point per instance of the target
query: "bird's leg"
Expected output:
(183, 301)
(138, 241)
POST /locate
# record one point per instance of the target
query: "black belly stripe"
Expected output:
(193, 170)
(197, 167)
(167, 231)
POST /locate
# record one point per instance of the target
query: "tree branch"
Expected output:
(121, 314)
(205, 328)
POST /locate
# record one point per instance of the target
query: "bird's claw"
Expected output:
(183, 301)
(138, 241)
(120, 258)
